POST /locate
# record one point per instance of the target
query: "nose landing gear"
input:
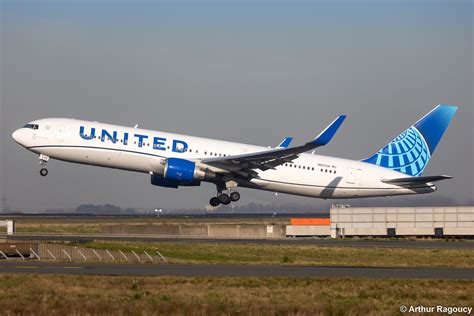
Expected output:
(43, 163)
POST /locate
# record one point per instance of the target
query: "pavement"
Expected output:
(223, 270)
(384, 243)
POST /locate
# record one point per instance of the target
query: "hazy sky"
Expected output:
(250, 71)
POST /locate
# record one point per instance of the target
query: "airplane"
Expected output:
(174, 160)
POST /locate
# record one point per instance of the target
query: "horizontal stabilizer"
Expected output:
(417, 180)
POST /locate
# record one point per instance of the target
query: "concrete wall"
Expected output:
(307, 230)
(205, 230)
(412, 221)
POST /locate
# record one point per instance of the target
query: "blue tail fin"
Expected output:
(411, 151)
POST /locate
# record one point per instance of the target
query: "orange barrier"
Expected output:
(311, 221)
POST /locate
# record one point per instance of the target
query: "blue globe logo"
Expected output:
(407, 153)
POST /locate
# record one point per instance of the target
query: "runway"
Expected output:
(224, 270)
(379, 243)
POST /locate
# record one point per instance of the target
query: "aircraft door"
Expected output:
(352, 176)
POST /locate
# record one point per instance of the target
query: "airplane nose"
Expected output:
(16, 135)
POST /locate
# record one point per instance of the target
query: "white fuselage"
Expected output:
(143, 150)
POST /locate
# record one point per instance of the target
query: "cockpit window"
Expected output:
(31, 126)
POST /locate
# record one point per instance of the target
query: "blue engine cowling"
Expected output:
(179, 169)
(182, 172)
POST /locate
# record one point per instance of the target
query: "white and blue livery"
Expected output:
(174, 160)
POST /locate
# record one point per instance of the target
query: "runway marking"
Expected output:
(41, 267)
(23, 267)
(73, 267)
(64, 267)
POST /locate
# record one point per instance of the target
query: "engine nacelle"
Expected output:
(169, 183)
(183, 172)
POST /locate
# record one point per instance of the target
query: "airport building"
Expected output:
(389, 222)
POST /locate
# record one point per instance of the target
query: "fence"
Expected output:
(50, 251)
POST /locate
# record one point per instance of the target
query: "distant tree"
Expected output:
(105, 209)
(86, 208)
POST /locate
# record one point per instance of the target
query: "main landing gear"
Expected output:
(224, 199)
(43, 163)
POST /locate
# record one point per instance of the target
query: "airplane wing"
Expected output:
(245, 165)
(417, 180)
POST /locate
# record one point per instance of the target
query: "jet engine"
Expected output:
(181, 172)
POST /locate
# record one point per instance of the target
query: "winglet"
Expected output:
(325, 136)
(285, 142)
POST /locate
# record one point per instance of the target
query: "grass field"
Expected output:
(61, 295)
(297, 254)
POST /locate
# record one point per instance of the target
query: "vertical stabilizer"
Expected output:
(411, 151)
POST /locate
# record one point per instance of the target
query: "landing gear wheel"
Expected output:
(224, 199)
(235, 196)
(214, 202)
(44, 172)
